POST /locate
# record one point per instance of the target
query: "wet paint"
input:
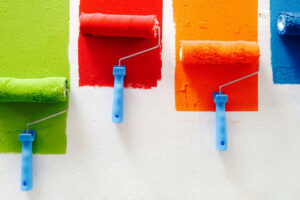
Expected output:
(215, 20)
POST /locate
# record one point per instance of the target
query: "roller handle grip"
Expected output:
(117, 110)
(221, 133)
(26, 168)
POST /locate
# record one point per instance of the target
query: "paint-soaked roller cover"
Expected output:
(34, 44)
(215, 20)
(285, 50)
(98, 55)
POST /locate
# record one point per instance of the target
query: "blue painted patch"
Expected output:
(285, 50)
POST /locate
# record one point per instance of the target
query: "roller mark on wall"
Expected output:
(97, 56)
(215, 20)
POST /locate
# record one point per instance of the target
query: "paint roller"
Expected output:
(42, 90)
(288, 24)
(133, 26)
(48, 90)
(238, 53)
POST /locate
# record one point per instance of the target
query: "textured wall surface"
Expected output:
(162, 154)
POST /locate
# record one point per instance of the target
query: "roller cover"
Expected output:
(289, 24)
(219, 52)
(137, 26)
(50, 90)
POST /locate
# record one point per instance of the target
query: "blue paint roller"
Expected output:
(288, 24)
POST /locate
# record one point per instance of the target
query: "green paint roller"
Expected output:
(48, 90)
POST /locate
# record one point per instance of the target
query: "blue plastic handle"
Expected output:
(117, 110)
(26, 139)
(221, 135)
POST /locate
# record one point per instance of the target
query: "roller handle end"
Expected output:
(26, 138)
(117, 111)
(221, 136)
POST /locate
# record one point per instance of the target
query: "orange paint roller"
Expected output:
(219, 52)
(239, 53)
(133, 26)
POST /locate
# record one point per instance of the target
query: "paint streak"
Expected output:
(215, 20)
(34, 44)
(98, 55)
(285, 50)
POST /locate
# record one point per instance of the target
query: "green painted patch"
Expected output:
(34, 44)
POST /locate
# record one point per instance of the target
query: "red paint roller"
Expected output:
(134, 26)
(214, 53)
(137, 26)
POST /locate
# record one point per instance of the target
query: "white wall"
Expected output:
(161, 154)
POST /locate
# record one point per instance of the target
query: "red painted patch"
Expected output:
(98, 55)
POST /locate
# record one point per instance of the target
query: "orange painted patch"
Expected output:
(228, 20)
